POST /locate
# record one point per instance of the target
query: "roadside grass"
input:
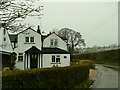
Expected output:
(92, 73)
(86, 84)
(105, 62)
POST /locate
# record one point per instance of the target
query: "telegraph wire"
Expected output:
(99, 24)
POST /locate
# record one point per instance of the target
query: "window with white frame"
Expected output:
(56, 59)
(51, 42)
(26, 39)
(53, 58)
(29, 39)
(20, 56)
(54, 42)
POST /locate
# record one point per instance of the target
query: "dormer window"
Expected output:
(29, 39)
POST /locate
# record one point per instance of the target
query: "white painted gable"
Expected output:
(22, 45)
(5, 43)
(61, 44)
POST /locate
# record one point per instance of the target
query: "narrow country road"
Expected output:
(106, 78)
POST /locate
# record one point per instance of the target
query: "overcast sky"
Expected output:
(96, 21)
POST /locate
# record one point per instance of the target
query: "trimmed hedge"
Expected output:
(62, 77)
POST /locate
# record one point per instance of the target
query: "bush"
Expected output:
(89, 63)
(65, 77)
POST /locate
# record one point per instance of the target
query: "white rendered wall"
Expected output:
(20, 64)
(5, 45)
(61, 43)
(47, 60)
(22, 46)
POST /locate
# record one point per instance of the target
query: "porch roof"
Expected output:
(33, 49)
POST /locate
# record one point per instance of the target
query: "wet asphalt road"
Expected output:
(106, 78)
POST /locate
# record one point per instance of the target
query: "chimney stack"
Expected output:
(38, 30)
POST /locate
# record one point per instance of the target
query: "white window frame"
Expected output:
(54, 42)
(20, 56)
(26, 39)
(56, 57)
(31, 39)
(51, 42)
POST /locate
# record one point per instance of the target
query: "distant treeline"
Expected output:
(104, 56)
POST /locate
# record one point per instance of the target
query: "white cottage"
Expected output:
(38, 51)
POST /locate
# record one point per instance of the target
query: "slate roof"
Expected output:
(45, 36)
(5, 52)
(48, 50)
(33, 49)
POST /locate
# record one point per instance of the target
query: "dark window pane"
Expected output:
(26, 39)
(31, 39)
(56, 42)
(20, 57)
(53, 58)
(51, 42)
(57, 59)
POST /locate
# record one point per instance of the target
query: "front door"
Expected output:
(33, 60)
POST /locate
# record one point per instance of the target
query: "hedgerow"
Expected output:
(60, 77)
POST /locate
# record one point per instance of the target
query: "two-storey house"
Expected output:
(35, 50)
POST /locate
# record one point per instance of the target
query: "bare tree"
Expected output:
(12, 11)
(74, 39)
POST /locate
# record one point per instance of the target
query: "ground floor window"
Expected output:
(55, 58)
(20, 56)
(58, 58)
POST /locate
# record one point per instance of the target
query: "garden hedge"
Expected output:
(61, 77)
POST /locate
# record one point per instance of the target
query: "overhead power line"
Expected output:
(99, 24)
